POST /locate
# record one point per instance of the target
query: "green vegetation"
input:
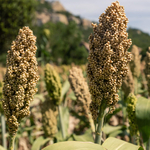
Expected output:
(64, 43)
(14, 15)
(139, 39)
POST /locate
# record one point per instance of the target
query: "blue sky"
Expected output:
(137, 11)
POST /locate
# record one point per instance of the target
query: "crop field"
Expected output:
(60, 93)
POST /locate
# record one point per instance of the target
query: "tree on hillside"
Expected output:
(65, 43)
(14, 15)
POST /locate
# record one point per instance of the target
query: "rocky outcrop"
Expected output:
(75, 19)
(86, 23)
(57, 6)
(59, 18)
(42, 18)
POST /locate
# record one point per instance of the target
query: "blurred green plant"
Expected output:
(65, 43)
(15, 15)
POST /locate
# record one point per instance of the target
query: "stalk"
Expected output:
(148, 144)
(100, 124)
(3, 131)
(136, 86)
(61, 123)
(11, 142)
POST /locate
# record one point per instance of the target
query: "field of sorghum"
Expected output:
(104, 101)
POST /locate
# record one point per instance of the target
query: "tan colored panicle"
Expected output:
(147, 69)
(80, 88)
(108, 57)
(49, 117)
(135, 63)
(20, 78)
(128, 84)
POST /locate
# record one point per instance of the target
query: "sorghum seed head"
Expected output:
(80, 88)
(49, 117)
(135, 63)
(131, 104)
(108, 56)
(53, 84)
(147, 69)
(20, 78)
(128, 84)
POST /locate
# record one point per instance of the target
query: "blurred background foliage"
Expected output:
(57, 42)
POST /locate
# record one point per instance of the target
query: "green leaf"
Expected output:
(74, 145)
(107, 129)
(72, 96)
(2, 148)
(40, 141)
(116, 144)
(65, 88)
(143, 117)
(86, 137)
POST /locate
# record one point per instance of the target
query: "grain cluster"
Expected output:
(20, 78)
(108, 57)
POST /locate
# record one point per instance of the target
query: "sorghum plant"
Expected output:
(81, 90)
(53, 84)
(131, 104)
(128, 84)
(147, 69)
(49, 117)
(20, 80)
(135, 66)
(135, 62)
(107, 61)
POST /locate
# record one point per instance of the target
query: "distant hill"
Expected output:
(54, 11)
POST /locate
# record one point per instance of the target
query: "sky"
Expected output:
(137, 11)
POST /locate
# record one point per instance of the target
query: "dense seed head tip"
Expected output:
(20, 78)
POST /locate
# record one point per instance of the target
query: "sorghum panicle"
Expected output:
(147, 69)
(108, 57)
(80, 88)
(53, 84)
(131, 104)
(20, 78)
(49, 117)
(128, 84)
(135, 63)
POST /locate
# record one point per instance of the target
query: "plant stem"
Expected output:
(3, 131)
(135, 86)
(148, 144)
(11, 142)
(61, 123)
(100, 124)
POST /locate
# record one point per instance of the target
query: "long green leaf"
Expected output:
(116, 144)
(74, 145)
(143, 117)
(107, 129)
(65, 88)
(86, 137)
(39, 142)
(2, 148)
